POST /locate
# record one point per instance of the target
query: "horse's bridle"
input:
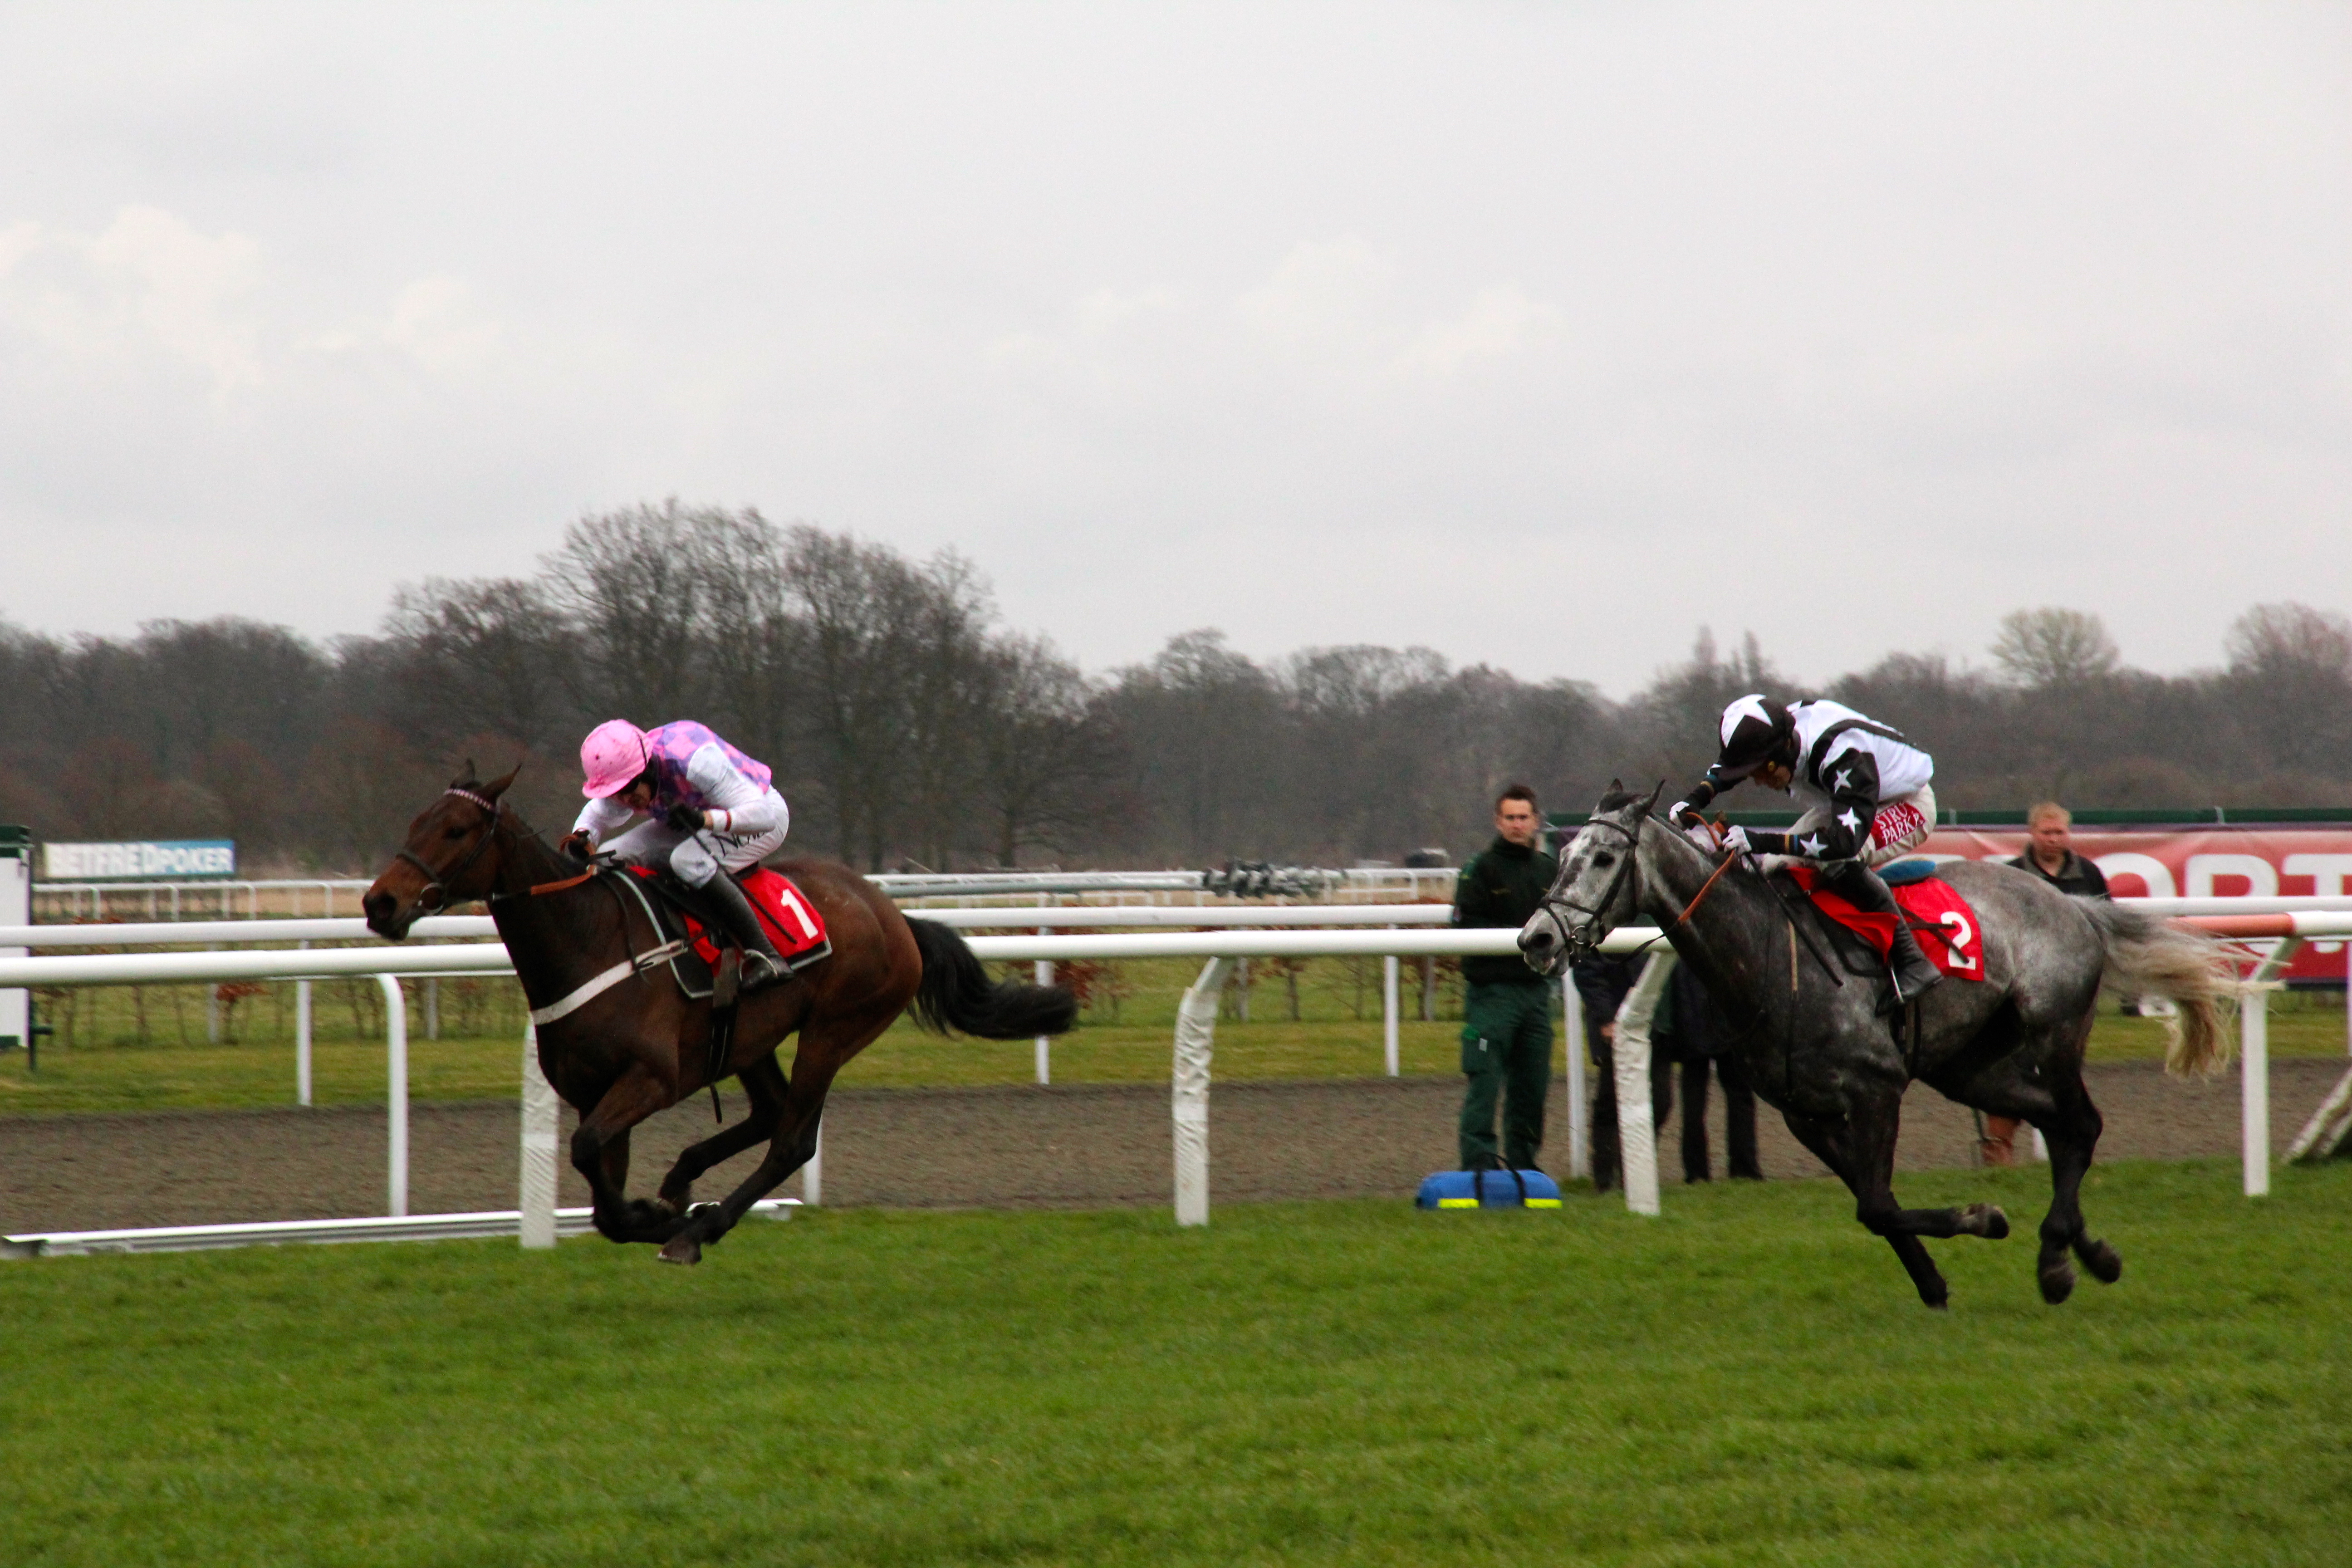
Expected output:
(1589, 936)
(436, 882)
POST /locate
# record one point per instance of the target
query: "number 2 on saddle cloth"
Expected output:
(1945, 924)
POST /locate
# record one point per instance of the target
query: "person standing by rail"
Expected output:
(2049, 855)
(1506, 1006)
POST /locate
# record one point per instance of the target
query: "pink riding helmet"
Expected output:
(615, 753)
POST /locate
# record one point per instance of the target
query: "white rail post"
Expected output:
(1044, 974)
(2254, 1087)
(1637, 1140)
(1196, 1031)
(1580, 1157)
(1389, 1014)
(395, 1054)
(813, 1174)
(2255, 1065)
(302, 1039)
(537, 1200)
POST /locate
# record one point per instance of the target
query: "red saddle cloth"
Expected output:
(793, 921)
(1946, 925)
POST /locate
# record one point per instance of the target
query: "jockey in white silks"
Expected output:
(709, 808)
(1866, 796)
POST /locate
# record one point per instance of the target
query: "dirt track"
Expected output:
(1011, 1147)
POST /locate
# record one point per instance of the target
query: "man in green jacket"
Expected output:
(1507, 1012)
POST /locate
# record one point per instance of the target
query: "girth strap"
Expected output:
(605, 982)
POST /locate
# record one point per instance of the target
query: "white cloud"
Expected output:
(148, 285)
(1501, 322)
(434, 321)
(1324, 294)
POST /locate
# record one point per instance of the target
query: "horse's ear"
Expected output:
(1616, 786)
(465, 780)
(1651, 804)
(497, 786)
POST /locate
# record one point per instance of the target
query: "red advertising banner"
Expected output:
(2196, 863)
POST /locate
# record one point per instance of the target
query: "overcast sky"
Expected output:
(1538, 334)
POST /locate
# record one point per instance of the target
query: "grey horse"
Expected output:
(1817, 1049)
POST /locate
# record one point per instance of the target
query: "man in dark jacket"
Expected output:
(1506, 1006)
(1691, 1030)
(2049, 855)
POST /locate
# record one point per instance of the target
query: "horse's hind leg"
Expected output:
(2041, 1083)
(2072, 1133)
(763, 1083)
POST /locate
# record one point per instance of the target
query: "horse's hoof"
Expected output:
(2100, 1258)
(1987, 1220)
(681, 1250)
(1944, 1305)
(2057, 1281)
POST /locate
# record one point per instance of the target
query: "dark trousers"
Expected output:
(1738, 1121)
(1607, 1158)
(1505, 1057)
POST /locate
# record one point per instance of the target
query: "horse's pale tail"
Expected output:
(956, 995)
(2148, 956)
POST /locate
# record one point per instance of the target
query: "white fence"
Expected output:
(1194, 1040)
(290, 896)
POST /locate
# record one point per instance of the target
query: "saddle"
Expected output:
(1943, 921)
(691, 937)
(684, 916)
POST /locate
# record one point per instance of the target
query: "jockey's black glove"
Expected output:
(683, 818)
(575, 846)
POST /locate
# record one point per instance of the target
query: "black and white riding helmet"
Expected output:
(1755, 731)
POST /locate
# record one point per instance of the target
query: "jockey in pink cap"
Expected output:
(707, 808)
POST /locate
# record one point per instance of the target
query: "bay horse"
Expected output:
(1814, 1046)
(641, 1045)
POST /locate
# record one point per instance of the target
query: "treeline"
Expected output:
(907, 725)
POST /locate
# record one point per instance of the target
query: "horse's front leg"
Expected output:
(763, 1084)
(1853, 1152)
(600, 1151)
(823, 1050)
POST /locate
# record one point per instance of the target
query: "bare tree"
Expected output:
(1048, 757)
(491, 654)
(2051, 647)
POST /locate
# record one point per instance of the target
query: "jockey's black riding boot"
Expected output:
(762, 962)
(1858, 884)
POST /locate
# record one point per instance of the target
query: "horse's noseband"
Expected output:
(436, 882)
(1586, 936)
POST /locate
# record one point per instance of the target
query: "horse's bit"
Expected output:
(434, 881)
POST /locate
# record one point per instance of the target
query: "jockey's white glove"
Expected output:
(1736, 840)
(1681, 814)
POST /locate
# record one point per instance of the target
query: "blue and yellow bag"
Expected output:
(1488, 1190)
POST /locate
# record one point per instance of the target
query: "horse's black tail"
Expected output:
(956, 995)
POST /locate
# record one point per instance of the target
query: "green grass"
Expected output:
(1747, 1380)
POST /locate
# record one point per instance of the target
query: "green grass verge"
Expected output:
(1747, 1380)
(157, 1059)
